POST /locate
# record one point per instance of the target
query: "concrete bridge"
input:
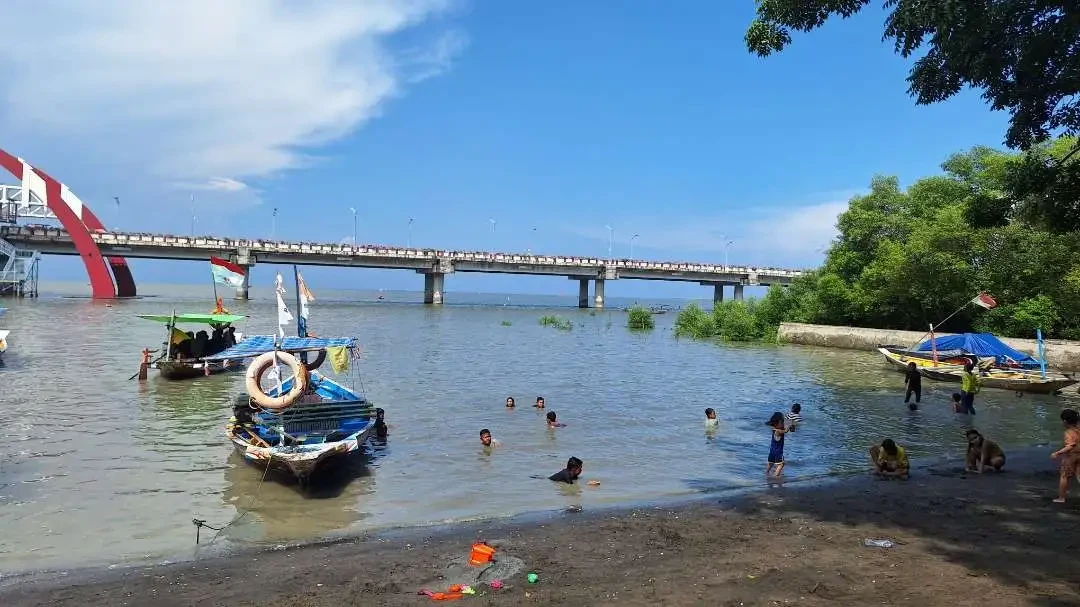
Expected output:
(433, 264)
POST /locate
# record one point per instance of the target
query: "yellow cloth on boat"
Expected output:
(339, 358)
(178, 336)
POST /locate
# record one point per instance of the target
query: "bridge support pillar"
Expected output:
(718, 293)
(582, 292)
(242, 290)
(738, 292)
(433, 288)
(598, 294)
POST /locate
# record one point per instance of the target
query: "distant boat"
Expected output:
(178, 360)
(660, 309)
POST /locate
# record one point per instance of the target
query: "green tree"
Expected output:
(639, 318)
(1022, 54)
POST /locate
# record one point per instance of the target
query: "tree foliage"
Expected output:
(639, 318)
(906, 258)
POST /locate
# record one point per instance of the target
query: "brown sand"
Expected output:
(984, 540)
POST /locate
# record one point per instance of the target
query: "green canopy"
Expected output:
(198, 319)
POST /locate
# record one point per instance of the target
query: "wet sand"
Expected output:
(994, 539)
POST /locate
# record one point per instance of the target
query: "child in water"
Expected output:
(711, 421)
(486, 439)
(381, 430)
(551, 423)
(794, 418)
(570, 473)
(957, 406)
(509, 402)
(539, 402)
(776, 447)
(1069, 454)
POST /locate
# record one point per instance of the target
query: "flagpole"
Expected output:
(213, 281)
(958, 310)
(301, 331)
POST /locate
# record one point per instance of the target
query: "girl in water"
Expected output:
(776, 448)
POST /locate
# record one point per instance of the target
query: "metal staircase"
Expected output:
(19, 267)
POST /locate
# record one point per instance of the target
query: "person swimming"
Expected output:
(539, 402)
(381, 430)
(510, 402)
(551, 423)
(573, 469)
(794, 418)
(711, 421)
(487, 440)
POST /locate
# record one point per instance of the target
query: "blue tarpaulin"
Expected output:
(981, 345)
(255, 345)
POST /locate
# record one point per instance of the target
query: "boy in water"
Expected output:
(486, 439)
(890, 460)
(776, 447)
(794, 418)
(381, 431)
(539, 402)
(913, 380)
(957, 406)
(711, 421)
(510, 402)
(969, 387)
(982, 452)
(551, 423)
(569, 474)
(1069, 454)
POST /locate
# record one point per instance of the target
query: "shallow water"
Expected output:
(96, 469)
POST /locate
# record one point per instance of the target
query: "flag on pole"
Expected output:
(226, 272)
(984, 300)
(305, 297)
(284, 317)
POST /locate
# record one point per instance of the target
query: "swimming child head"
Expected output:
(574, 466)
(485, 437)
(776, 421)
(796, 408)
(510, 402)
(956, 397)
(710, 413)
(551, 416)
(1070, 417)
(540, 402)
(380, 414)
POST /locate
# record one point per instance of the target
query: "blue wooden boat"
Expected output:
(302, 423)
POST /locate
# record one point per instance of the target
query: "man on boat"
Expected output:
(969, 387)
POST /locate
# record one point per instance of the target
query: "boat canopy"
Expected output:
(193, 319)
(981, 345)
(255, 345)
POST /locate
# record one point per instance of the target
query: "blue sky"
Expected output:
(555, 119)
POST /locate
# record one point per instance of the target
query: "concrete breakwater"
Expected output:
(1060, 354)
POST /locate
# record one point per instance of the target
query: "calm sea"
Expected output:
(97, 469)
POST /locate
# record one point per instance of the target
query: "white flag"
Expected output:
(283, 315)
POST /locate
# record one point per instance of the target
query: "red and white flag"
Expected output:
(226, 272)
(984, 300)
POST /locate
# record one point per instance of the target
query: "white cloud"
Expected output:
(210, 91)
(216, 184)
(764, 235)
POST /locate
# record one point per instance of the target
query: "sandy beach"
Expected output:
(961, 539)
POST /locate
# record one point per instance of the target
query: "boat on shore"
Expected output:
(999, 365)
(184, 355)
(301, 424)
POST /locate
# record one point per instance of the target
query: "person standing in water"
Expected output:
(913, 380)
(969, 387)
(776, 447)
(1069, 454)
(711, 421)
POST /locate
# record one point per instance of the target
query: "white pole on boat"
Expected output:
(1042, 353)
(933, 343)
(168, 335)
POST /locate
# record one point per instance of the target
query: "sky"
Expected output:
(492, 125)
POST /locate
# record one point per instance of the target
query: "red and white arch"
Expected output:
(79, 221)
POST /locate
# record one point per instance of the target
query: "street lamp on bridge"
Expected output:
(353, 225)
(408, 244)
(610, 242)
(632, 245)
(727, 246)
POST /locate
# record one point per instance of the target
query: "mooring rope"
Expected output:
(200, 523)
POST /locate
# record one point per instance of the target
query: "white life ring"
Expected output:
(261, 365)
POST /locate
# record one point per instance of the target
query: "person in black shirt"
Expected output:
(914, 385)
(381, 431)
(570, 473)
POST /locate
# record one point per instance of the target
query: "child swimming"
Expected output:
(711, 421)
(569, 474)
(510, 402)
(776, 447)
(795, 417)
(487, 440)
(551, 423)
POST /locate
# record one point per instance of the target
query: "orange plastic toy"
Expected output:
(481, 554)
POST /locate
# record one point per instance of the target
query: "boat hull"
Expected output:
(301, 462)
(190, 369)
(1015, 381)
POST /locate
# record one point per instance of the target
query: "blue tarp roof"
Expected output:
(982, 345)
(255, 345)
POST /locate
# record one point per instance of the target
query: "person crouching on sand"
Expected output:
(890, 460)
(776, 447)
(982, 452)
(1069, 454)
(573, 469)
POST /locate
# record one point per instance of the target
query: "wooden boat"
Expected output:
(300, 424)
(174, 363)
(660, 309)
(1016, 380)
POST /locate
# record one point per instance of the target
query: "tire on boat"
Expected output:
(319, 360)
(262, 364)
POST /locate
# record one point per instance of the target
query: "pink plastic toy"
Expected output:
(495, 584)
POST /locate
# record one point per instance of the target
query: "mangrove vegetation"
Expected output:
(639, 318)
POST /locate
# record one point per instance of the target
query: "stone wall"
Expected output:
(1060, 354)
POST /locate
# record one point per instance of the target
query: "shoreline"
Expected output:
(958, 537)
